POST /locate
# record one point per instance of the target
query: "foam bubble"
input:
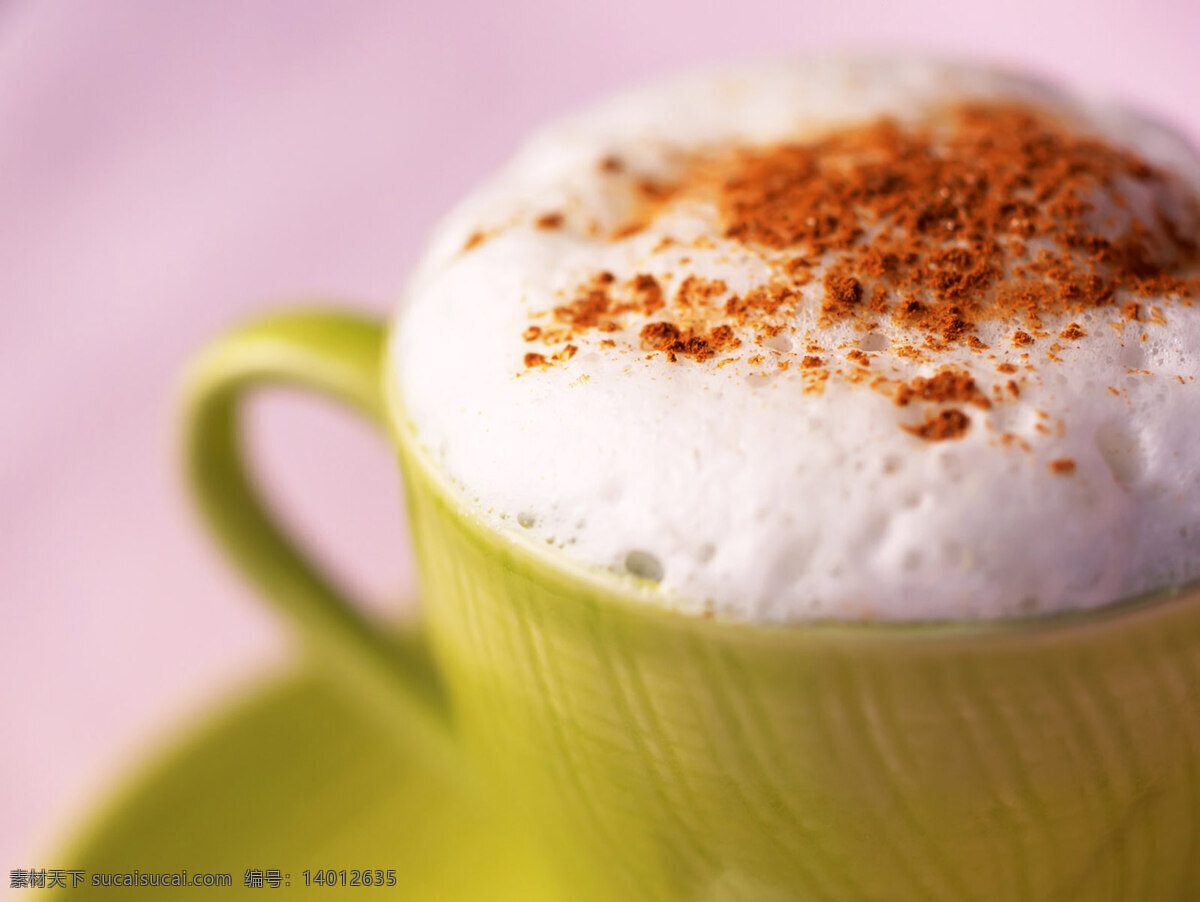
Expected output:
(645, 565)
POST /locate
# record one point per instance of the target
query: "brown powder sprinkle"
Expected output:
(982, 213)
(954, 386)
(694, 291)
(666, 337)
(842, 293)
(944, 214)
(611, 163)
(949, 424)
(916, 233)
(1063, 466)
(649, 293)
(1021, 339)
(949, 216)
(659, 336)
(1073, 332)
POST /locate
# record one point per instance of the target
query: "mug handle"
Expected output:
(336, 355)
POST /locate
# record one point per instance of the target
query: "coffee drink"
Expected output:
(840, 339)
(792, 456)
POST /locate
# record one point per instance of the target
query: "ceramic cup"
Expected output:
(659, 756)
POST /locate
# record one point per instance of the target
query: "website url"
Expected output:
(169, 878)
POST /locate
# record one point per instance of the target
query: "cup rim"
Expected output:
(635, 596)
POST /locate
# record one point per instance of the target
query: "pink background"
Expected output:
(168, 168)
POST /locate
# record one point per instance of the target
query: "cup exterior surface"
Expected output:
(669, 757)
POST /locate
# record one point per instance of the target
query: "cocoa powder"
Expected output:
(979, 214)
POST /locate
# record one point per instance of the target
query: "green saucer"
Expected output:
(291, 778)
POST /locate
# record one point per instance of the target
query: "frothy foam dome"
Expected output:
(836, 339)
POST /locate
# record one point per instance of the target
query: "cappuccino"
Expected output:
(842, 339)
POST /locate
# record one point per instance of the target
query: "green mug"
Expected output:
(658, 756)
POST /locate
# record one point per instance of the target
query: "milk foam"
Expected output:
(731, 488)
